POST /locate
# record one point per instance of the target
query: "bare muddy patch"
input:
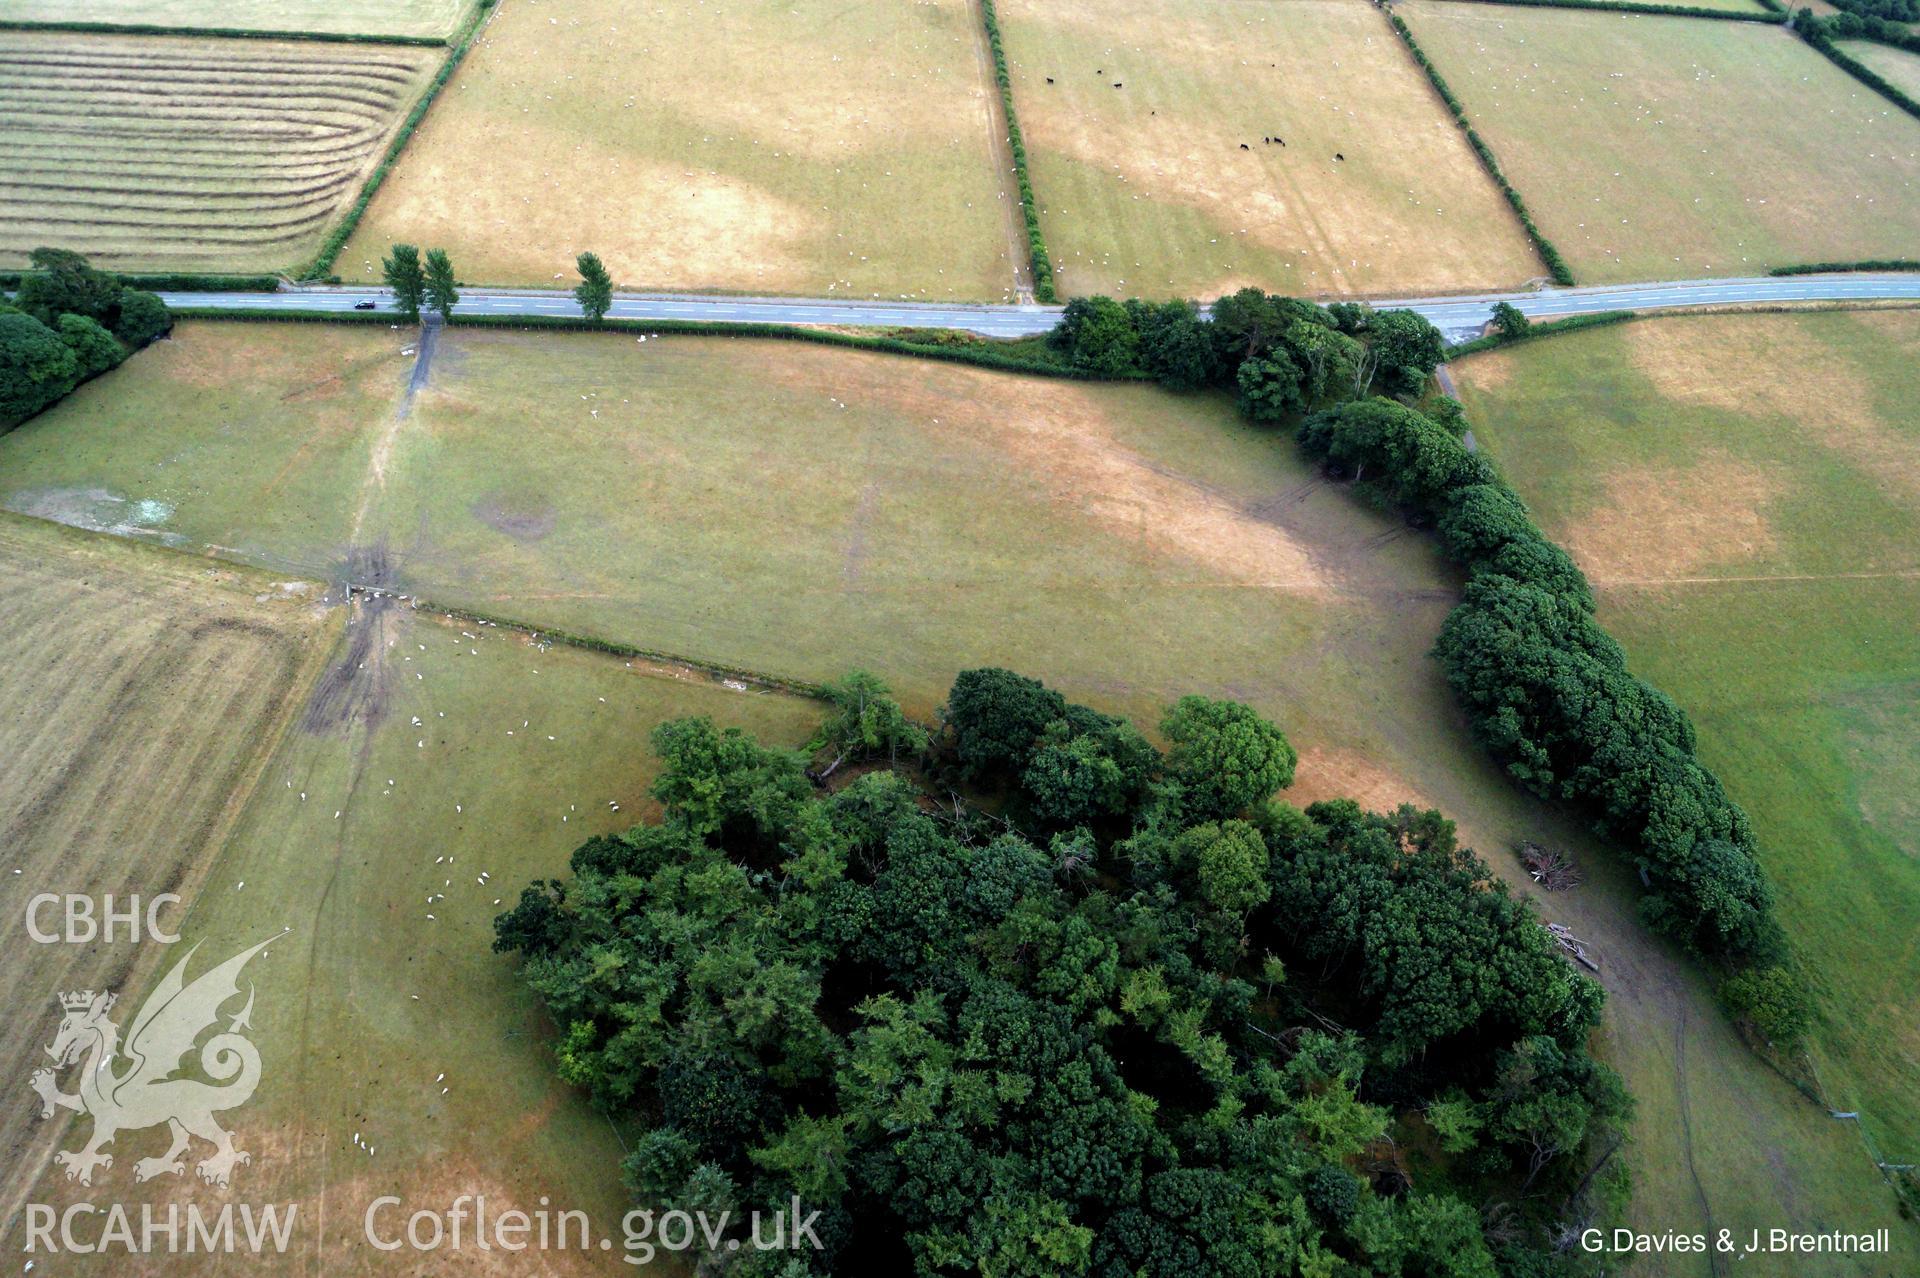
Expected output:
(524, 521)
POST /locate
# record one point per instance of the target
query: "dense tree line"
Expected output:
(68, 322)
(1280, 355)
(1037, 999)
(1547, 691)
(1886, 11)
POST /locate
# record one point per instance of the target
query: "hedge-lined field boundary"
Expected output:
(163, 282)
(1544, 328)
(329, 252)
(1841, 268)
(220, 33)
(1773, 15)
(1556, 265)
(1815, 34)
(1041, 261)
(610, 647)
(978, 356)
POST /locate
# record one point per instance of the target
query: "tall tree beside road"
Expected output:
(404, 276)
(442, 296)
(595, 290)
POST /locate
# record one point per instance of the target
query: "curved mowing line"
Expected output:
(217, 164)
(142, 94)
(68, 199)
(174, 225)
(109, 77)
(204, 161)
(291, 123)
(206, 130)
(257, 194)
(389, 71)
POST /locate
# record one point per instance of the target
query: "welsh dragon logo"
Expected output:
(127, 1088)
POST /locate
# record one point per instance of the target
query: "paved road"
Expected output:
(1458, 317)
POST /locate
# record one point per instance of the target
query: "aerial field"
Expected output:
(810, 147)
(352, 17)
(1897, 66)
(180, 154)
(127, 673)
(1147, 126)
(1662, 148)
(1745, 492)
(429, 755)
(799, 510)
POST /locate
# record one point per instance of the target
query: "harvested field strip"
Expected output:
(178, 153)
(128, 674)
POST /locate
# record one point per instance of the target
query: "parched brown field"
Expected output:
(813, 146)
(358, 17)
(1146, 130)
(1662, 148)
(156, 152)
(142, 691)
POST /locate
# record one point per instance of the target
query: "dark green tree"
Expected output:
(1408, 349)
(62, 283)
(1227, 757)
(1098, 333)
(1175, 346)
(143, 318)
(996, 716)
(93, 347)
(36, 367)
(441, 292)
(594, 292)
(866, 722)
(404, 275)
(1510, 321)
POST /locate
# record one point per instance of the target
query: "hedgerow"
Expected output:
(1815, 33)
(1550, 255)
(1042, 262)
(981, 355)
(1540, 328)
(1837, 268)
(1664, 10)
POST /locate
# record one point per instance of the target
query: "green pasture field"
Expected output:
(1745, 492)
(800, 509)
(1147, 126)
(1900, 68)
(1667, 148)
(164, 153)
(805, 147)
(349, 17)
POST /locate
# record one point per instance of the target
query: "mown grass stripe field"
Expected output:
(176, 153)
